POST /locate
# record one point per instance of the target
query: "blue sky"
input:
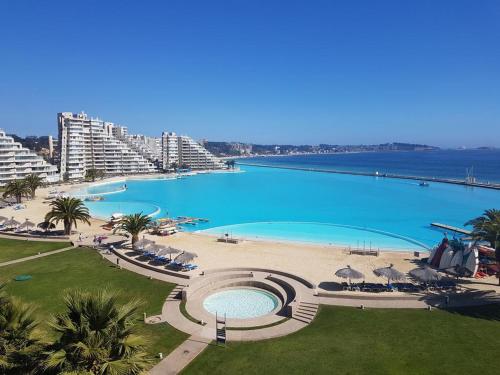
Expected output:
(257, 71)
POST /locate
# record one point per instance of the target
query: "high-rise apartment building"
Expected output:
(90, 143)
(17, 162)
(184, 151)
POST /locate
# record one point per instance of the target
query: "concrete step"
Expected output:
(308, 318)
(308, 308)
(306, 313)
(306, 321)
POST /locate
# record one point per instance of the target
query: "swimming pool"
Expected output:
(280, 204)
(241, 303)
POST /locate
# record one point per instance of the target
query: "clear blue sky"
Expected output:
(257, 71)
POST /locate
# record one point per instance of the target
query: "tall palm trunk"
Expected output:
(19, 198)
(67, 227)
(135, 238)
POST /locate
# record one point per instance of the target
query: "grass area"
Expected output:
(15, 249)
(344, 340)
(85, 269)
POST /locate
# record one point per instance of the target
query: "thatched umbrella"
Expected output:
(349, 273)
(169, 251)
(143, 243)
(12, 222)
(27, 224)
(3, 218)
(425, 274)
(185, 257)
(46, 225)
(390, 273)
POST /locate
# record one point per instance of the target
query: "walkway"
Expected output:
(180, 357)
(27, 237)
(35, 256)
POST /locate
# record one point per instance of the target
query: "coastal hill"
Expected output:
(242, 149)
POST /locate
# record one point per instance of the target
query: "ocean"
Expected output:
(440, 163)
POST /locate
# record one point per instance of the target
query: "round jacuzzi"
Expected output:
(241, 303)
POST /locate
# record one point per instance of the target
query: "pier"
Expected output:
(494, 186)
(451, 228)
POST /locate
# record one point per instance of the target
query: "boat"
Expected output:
(423, 183)
(96, 198)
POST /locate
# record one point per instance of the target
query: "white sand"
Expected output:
(317, 263)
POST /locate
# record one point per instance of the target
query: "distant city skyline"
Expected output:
(265, 72)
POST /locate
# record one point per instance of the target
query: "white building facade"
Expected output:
(183, 151)
(90, 143)
(17, 162)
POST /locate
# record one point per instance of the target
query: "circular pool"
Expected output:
(241, 303)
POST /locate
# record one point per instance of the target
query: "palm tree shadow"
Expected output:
(486, 312)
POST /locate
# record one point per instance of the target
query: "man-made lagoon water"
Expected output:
(280, 204)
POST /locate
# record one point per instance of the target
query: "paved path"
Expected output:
(180, 357)
(25, 259)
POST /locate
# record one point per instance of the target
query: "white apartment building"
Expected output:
(17, 162)
(90, 143)
(183, 150)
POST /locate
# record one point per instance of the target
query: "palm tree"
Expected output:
(19, 351)
(17, 189)
(33, 182)
(96, 336)
(487, 228)
(68, 210)
(134, 224)
(92, 174)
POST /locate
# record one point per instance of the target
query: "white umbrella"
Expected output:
(185, 257)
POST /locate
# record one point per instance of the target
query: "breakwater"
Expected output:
(493, 186)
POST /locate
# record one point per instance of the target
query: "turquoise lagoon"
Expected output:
(288, 205)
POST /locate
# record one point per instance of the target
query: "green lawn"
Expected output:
(15, 249)
(345, 340)
(85, 269)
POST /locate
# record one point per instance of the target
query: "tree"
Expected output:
(33, 182)
(134, 224)
(230, 163)
(96, 336)
(17, 189)
(93, 174)
(174, 166)
(487, 228)
(19, 351)
(68, 210)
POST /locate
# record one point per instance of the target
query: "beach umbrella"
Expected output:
(12, 223)
(390, 273)
(185, 257)
(141, 244)
(169, 251)
(349, 273)
(3, 218)
(156, 248)
(425, 274)
(46, 225)
(27, 224)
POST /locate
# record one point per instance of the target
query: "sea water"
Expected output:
(317, 207)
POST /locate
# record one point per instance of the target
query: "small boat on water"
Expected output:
(423, 183)
(95, 198)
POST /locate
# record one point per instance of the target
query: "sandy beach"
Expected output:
(317, 263)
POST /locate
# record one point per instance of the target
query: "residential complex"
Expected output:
(183, 151)
(17, 162)
(90, 143)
